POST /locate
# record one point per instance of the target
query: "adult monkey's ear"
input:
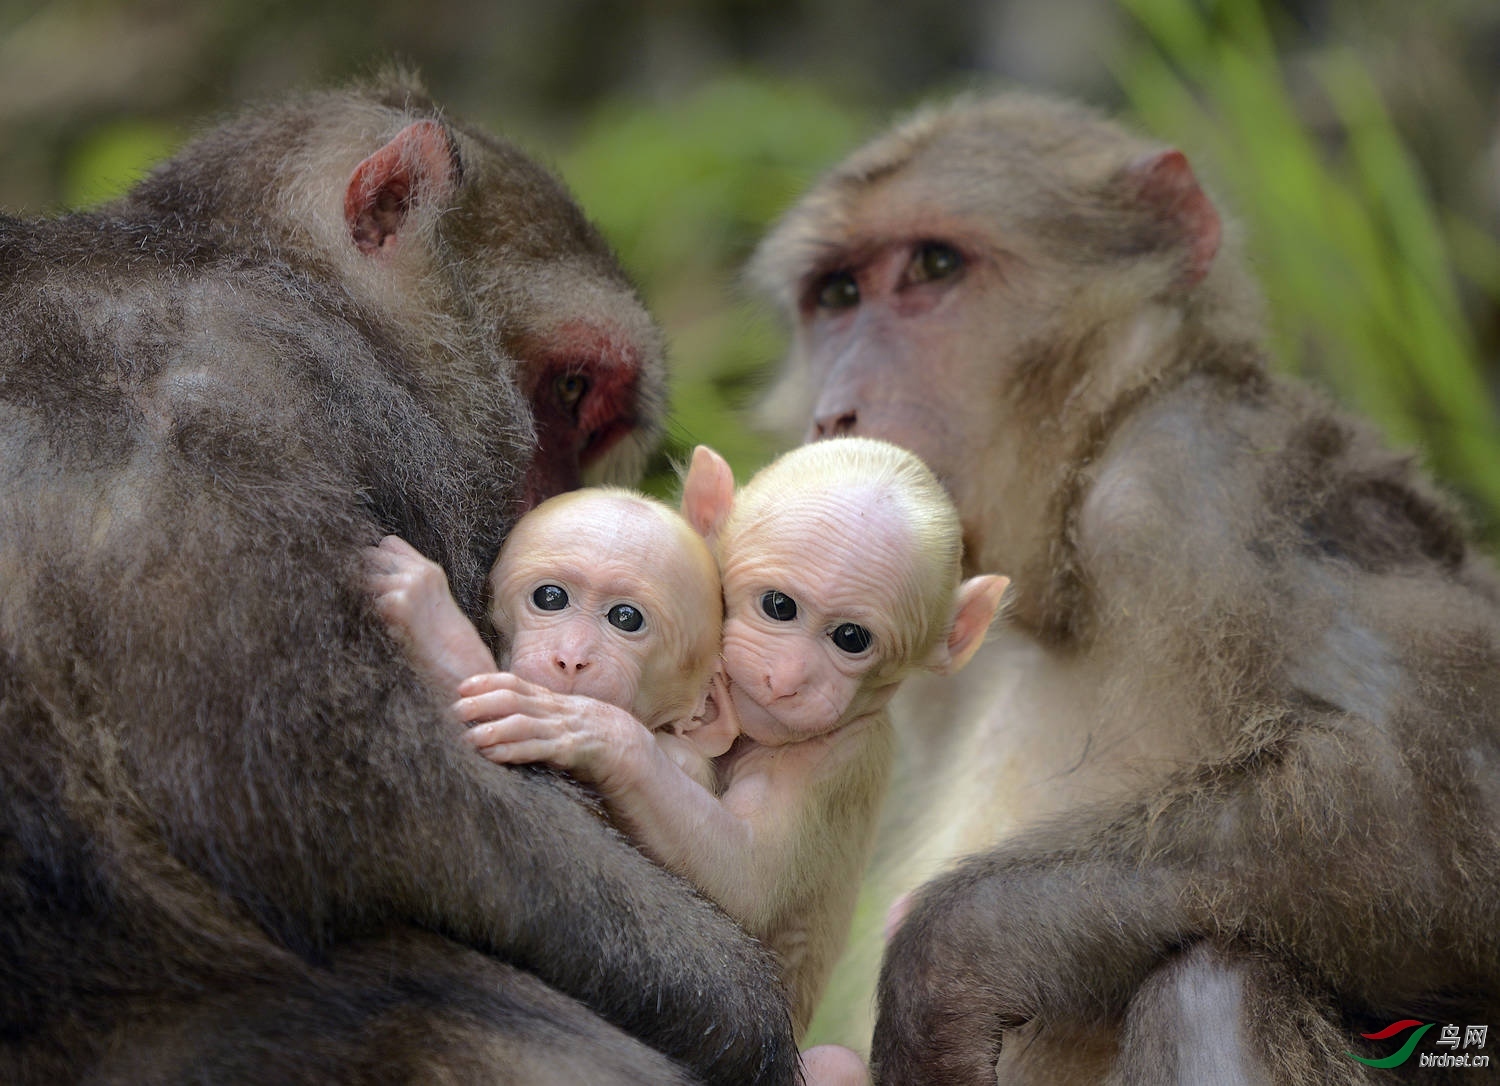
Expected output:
(420, 165)
(1164, 182)
(707, 492)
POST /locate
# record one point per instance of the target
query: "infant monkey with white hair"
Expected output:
(610, 607)
(840, 575)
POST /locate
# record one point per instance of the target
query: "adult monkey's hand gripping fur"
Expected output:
(239, 840)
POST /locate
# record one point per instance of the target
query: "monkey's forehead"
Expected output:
(622, 520)
(989, 136)
(596, 550)
(614, 543)
(958, 169)
(820, 534)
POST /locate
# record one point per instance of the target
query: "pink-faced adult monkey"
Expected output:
(239, 839)
(1235, 761)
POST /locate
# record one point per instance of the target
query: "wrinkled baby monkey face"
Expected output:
(598, 597)
(810, 624)
(577, 634)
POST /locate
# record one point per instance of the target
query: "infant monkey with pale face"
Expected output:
(840, 566)
(840, 569)
(610, 606)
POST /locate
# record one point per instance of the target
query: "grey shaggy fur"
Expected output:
(238, 839)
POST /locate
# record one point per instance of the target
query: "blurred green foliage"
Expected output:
(684, 192)
(112, 158)
(1358, 265)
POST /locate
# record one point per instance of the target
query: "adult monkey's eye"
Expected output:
(838, 291)
(779, 606)
(851, 638)
(550, 597)
(625, 617)
(570, 388)
(934, 260)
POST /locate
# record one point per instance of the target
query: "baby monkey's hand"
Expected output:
(411, 595)
(517, 722)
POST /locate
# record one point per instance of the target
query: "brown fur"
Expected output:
(239, 840)
(1238, 752)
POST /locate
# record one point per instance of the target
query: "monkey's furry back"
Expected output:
(188, 468)
(236, 835)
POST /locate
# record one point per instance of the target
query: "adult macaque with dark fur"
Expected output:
(600, 596)
(239, 840)
(1235, 756)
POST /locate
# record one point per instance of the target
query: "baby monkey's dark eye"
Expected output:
(570, 388)
(838, 291)
(934, 260)
(779, 606)
(550, 597)
(851, 638)
(622, 616)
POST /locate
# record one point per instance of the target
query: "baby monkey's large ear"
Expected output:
(707, 492)
(715, 727)
(974, 609)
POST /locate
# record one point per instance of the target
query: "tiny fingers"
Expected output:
(502, 729)
(380, 572)
(522, 752)
(517, 740)
(512, 728)
(394, 544)
(497, 680)
(491, 705)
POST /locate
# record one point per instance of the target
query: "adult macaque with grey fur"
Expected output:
(599, 595)
(239, 840)
(1235, 758)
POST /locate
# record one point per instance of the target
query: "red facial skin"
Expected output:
(583, 382)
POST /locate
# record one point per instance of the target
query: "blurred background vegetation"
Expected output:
(1355, 140)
